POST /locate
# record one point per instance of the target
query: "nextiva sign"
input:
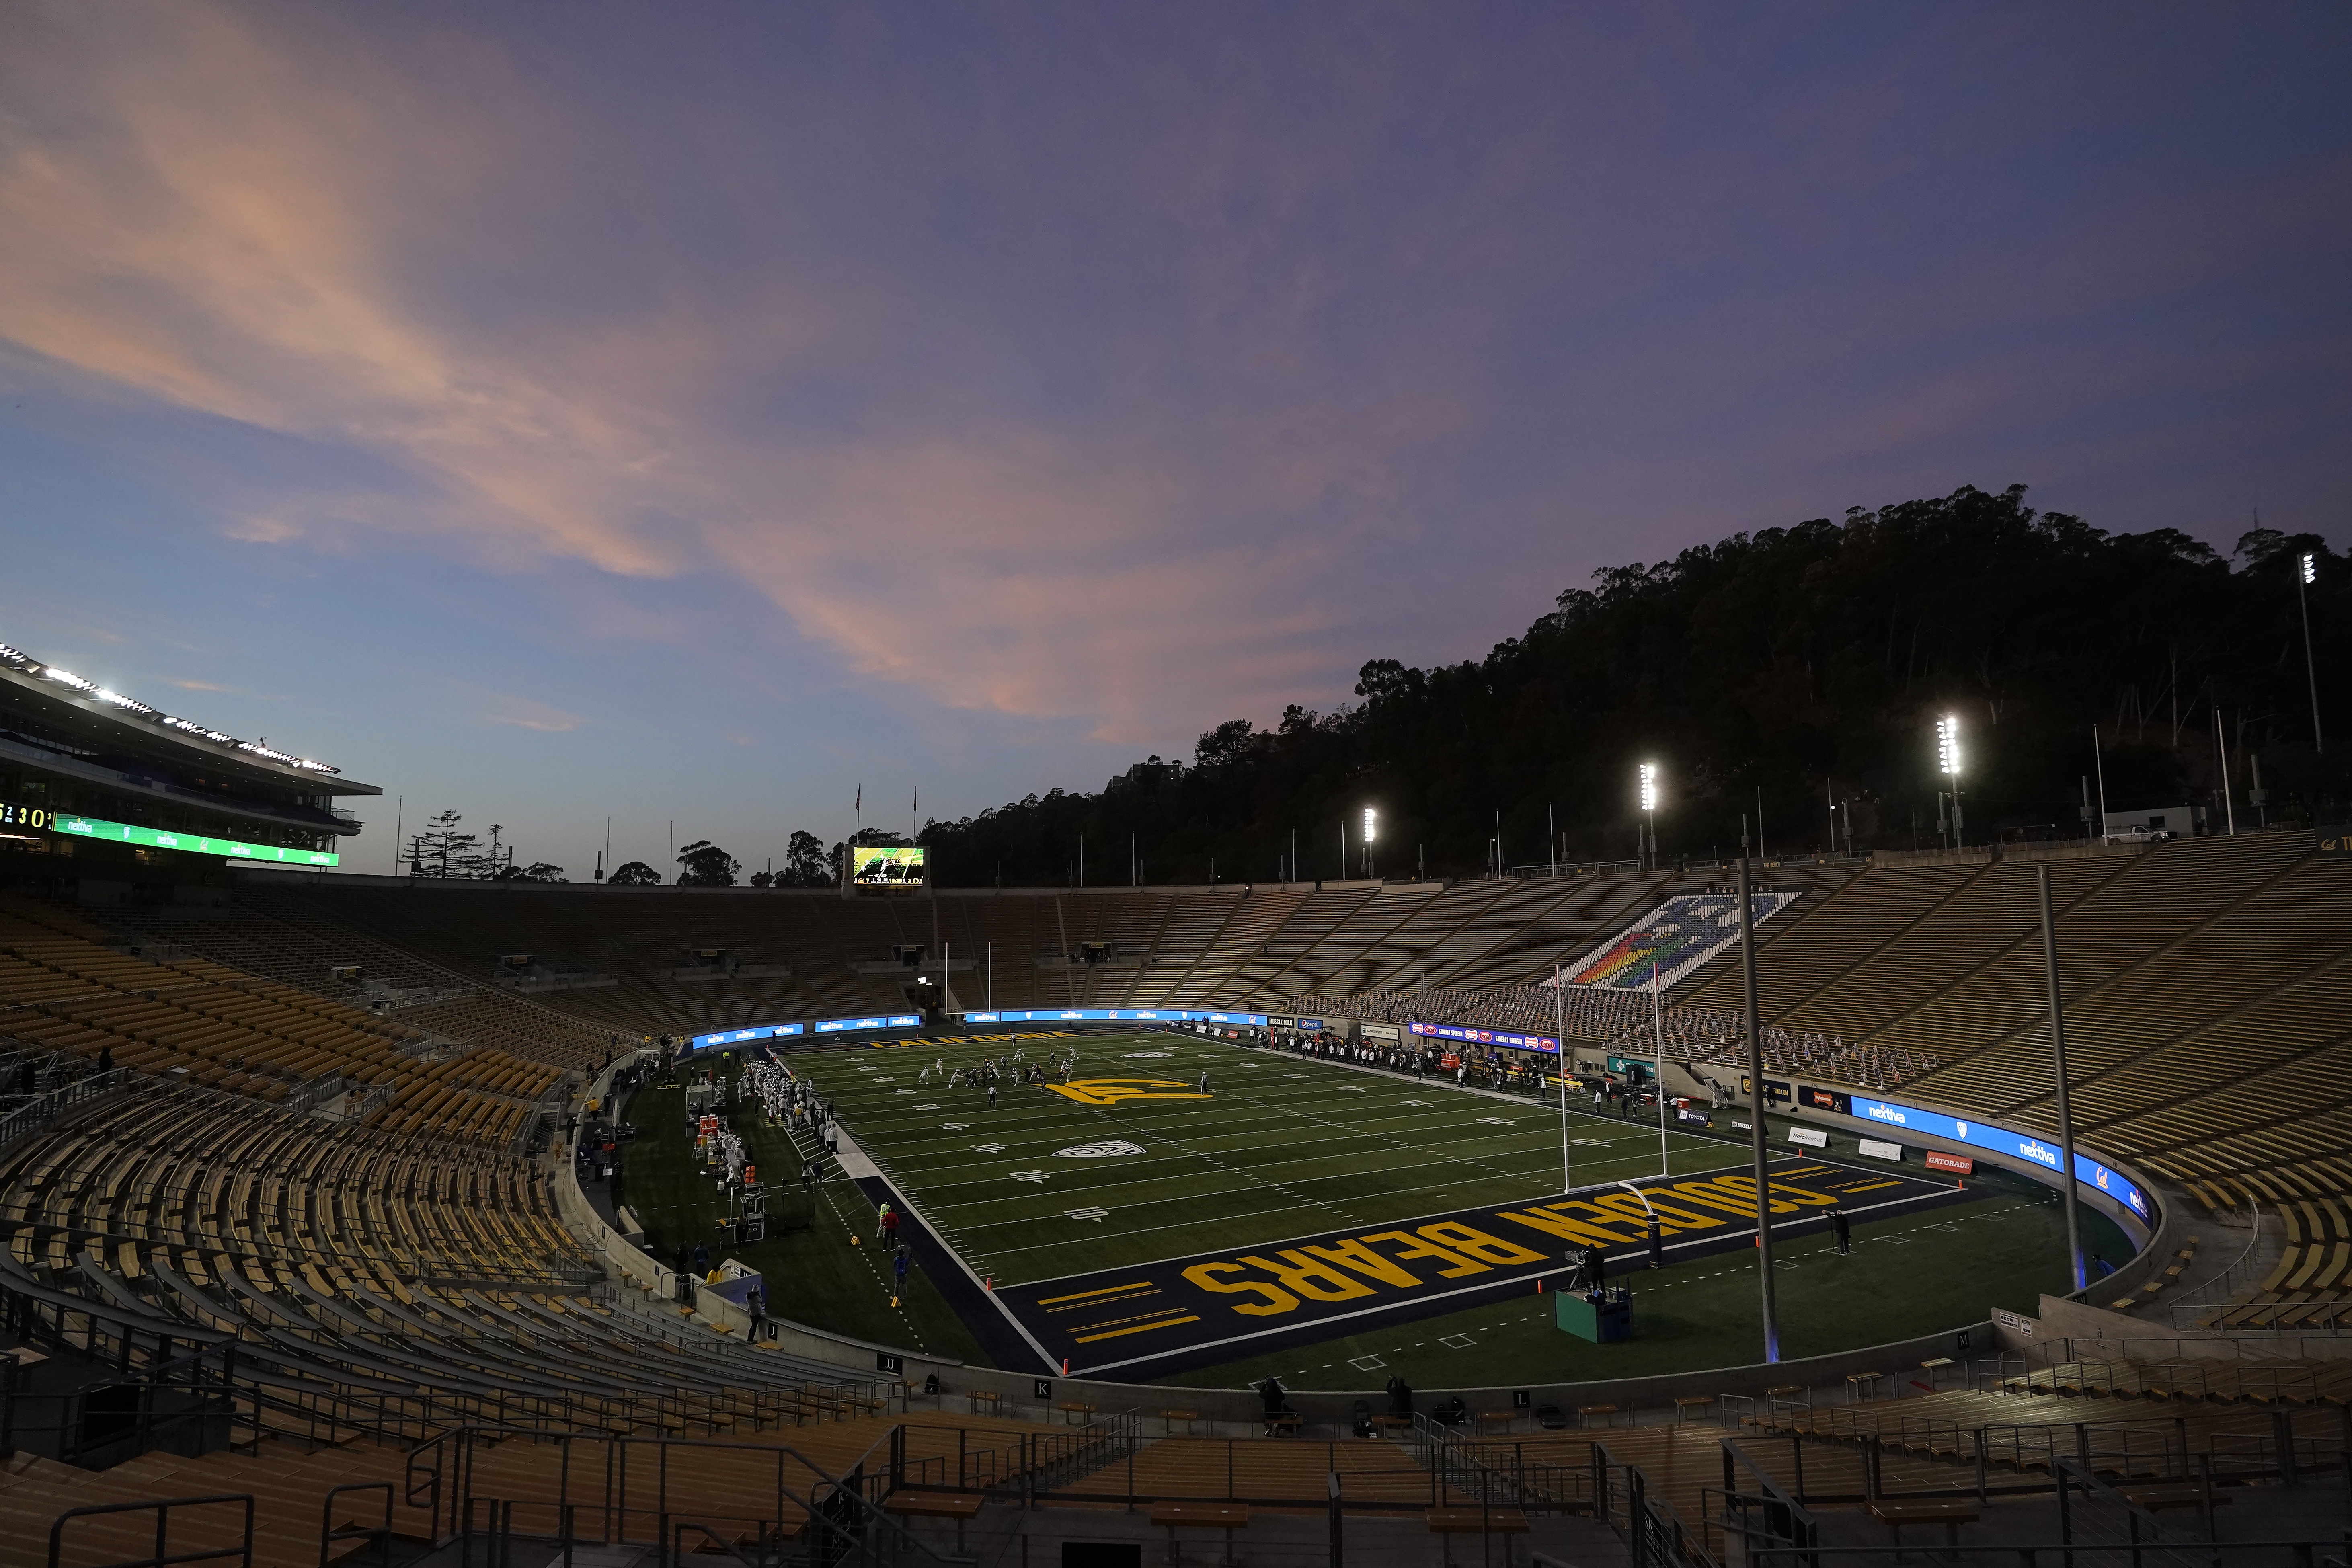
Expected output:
(822, 1027)
(2002, 1141)
(887, 1021)
(1486, 1036)
(1114, 1016)
(759, 1032)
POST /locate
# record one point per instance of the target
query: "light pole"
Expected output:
(1371, 819)
(1559, 1016)
(2222, 759)
(2058, 1073)
(2306, 573)
(1948, 760)
(1658, 1025)
(1649, 776)
(2099, 767)
(1755, 1105)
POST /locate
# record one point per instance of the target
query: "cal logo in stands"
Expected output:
(1111, 1090)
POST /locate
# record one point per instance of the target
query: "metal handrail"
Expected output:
(2143, 1534)
(163, 1556)
(1653, 1533)
(2221, 1281)
(45, 1106)
(380, 1536)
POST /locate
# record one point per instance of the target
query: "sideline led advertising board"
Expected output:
(2002, 1141)
(1486, 1036)
(1026, 1015)
(883, 866)
(757, 1032)
(189, 843)
(1114, 1016)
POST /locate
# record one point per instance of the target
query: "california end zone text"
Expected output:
(1213, 1306)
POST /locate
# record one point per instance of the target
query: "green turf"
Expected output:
(812, 1273)
(1284, 1148)
(1907, 1274)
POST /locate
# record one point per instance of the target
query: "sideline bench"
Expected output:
(1445, 1523)
(1175, 1516)
(2157, 1500)
(1896, 1515)
(957, 1506)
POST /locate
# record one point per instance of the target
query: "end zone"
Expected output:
(1155, 1318)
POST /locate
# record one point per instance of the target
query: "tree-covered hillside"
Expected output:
(1809, 663)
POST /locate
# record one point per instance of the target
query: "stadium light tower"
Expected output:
(1372, 831)
(1948, 760)
(2306, 573)
(1649, 776)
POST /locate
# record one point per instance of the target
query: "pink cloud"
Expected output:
(212, 215)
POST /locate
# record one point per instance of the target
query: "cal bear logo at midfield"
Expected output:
(1111, 1090)
(1109, 1149)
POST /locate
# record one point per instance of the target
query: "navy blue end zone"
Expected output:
(1156, 1319)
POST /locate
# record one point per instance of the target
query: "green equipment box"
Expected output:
(1604, 1319)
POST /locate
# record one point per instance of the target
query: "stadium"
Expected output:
(1698, 1214)
(1042, 784)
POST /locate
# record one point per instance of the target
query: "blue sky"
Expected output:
(689, 414)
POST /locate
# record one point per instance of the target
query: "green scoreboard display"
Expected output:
(75, 827)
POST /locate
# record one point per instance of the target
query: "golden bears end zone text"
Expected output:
(1213, 1306)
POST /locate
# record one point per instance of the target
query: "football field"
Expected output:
(1048, 1184)
(1184, 1201)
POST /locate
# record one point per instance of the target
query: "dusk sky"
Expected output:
(690, 413)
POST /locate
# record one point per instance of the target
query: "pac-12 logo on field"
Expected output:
(1111, 1090)
(1109, 1149)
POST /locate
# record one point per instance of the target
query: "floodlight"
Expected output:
(1649, 786)
(1370, 817)
(1947, 744)
(2310, 569)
